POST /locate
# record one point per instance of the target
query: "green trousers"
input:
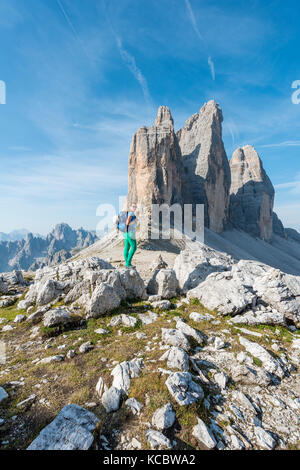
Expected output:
(130, 247)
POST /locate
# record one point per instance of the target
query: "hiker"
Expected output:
(126, 223)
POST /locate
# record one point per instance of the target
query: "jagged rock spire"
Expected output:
(155, 167)
(207, 173)
(251, 194)
(164, 117)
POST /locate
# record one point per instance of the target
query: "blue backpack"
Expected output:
(121, 221)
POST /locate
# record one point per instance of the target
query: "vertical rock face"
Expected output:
(251, 194)
(155, 167)
(206, 170)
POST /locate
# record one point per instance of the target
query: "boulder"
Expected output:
(175, 337)
(103, 300)
(183, 389)
(260, 317)
(56, 317)
(203, 434)
(19, 318)
(281, 292)
(193, 266)
(163, 283)
(223, 292)
(147, 318)
(86, 347)
(164, 417)
(189, 331)
(123, 372)
(246, 375)
(264, 438)
(157, 440)
(3, 395)
(72, 429)
(111, 399)
(270, 364)
(132, 283)
(134, 405)
(162, 304)
(176, 358)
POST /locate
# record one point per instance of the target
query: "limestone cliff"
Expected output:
(207, 174)
(251, 194)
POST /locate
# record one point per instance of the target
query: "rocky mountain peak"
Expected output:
(207, 173)
(213, 108)
(251, 194)
(155, 167)
(164, 117)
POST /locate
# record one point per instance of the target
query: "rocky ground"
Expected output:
(201, 356)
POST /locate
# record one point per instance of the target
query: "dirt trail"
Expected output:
(111, 247)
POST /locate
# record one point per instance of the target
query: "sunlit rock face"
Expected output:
(206, 178)
(251, 194)
(155, 167)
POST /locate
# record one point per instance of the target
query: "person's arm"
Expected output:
(128, 220)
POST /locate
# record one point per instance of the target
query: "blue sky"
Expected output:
(82, 77)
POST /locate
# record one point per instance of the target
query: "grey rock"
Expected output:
(56, 317)
(86, 347)
(72, 429)
(243, 400)
(224, 292)
(204, 435)
(20, 318)
(50, 359)
(192, 267)
(270, 364)
(128, 320)
(103, 300)
(100, 387)
(164, 417)
(163, 283)
(264, 439)
(3, 394)
(157, 440)
(260, 317)
(134, 405)
(176, 358)
(246, 375)
(111, 399)
(183, 389)
(25, 404)
(175, 337)
(198, 317)
(162, 304)
(189, 331)
(221, 379)
(123, 372)
(70, 354)
(147, 318)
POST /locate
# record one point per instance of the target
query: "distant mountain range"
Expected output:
(21, 249)
(15, 235)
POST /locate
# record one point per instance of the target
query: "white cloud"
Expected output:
(129, 60)
(212, 68)
(193, 19)
(288, 143)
